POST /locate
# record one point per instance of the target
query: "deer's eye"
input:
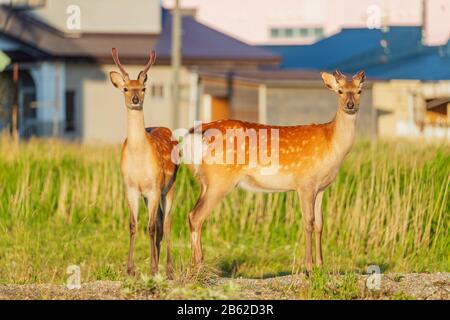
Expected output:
(340, 91)
(359, 92)
(143, 90)
(125, 89)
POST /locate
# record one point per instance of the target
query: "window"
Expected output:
(288, 32)
(70, 111)
(157, 91)
(296, 33)
(303, 32)
(318, 33)
(275, 32)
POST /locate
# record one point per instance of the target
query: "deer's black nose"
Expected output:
(135, 100)
(350, 105)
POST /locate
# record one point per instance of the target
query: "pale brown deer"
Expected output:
(309, 158)
(147, 167)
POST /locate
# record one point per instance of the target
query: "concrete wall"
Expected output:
(292, 104)
(313, 104)
(101, 112)
(244, 102)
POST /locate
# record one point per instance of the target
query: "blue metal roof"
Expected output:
(431, 65)
(396, 53)
(330, 51)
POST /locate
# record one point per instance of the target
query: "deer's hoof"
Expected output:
(169, 272)
(131, 271)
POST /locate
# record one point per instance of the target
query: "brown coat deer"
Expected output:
(308, 160)
(147, 167)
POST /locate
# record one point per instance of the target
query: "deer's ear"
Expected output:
(359, 78)
(142, 77)
(330, 81)
(117, 80)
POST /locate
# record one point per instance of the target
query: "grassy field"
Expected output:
(63, 204)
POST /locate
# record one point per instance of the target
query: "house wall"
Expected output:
(291, 104)
(244, 102)
(101, 112)
(118, 16)
(313, 104)
(242, 99)
(400, 106)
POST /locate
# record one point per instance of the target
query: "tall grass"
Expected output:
(63, 204)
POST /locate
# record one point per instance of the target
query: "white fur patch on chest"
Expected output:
(139, 171)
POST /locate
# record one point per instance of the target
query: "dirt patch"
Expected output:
(392, 286)
(435, 286)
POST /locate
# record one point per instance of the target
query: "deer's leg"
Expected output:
(152, 200)
(133, 205)
(209, 198)
(318, 223)
(167, 222)
(307, 199)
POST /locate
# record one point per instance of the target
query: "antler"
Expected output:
(361, 75)
(115, 57)
(150, 62)
(339, 75)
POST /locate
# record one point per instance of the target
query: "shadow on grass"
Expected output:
(230, 267)
(276, 274)
(235, 266)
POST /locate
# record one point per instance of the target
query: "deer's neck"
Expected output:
(344, 132)
(136, 135)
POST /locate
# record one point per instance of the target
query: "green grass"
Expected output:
(322, 286)
(63, 204)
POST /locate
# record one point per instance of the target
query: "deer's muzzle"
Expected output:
(135, 100)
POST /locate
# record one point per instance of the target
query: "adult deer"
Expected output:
(147, 167)
(309, 157)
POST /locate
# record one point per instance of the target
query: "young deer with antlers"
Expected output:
(309, 157)
(147, 167)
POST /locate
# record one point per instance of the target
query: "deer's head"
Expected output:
(349, 91)
(133, 90)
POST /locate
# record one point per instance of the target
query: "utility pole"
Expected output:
(424, 21)
(15, 105)
(56, 107)
(176, 61)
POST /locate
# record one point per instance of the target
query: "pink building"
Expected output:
(264, 22)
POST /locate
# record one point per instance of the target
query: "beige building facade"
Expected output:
(411, 108)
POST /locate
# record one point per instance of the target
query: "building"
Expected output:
(64, 70)
(281, 97)
(65, 89)
(412, 79)
(295, 22)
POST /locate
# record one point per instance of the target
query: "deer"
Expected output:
(146, 166)
(309, 158)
